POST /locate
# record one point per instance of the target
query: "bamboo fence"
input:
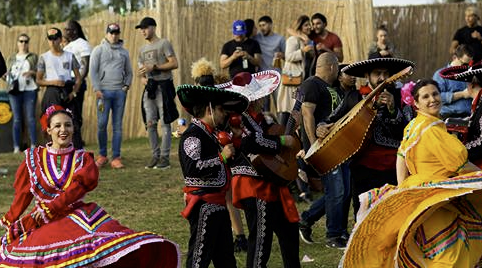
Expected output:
(423, 33)
(199, 30)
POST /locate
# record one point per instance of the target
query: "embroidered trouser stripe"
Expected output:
(211, 237)
(264, 219)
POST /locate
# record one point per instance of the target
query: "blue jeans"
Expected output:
(24, 102)
(154, 113)
(335, 203)
(114, 100)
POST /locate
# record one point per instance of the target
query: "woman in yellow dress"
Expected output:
(433, 218)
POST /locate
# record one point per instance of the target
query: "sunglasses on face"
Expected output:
(23, 41)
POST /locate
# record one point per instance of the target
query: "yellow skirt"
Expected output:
(432, 224)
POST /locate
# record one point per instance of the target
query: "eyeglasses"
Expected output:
(23, 41)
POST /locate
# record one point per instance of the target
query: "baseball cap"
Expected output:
(146, 22)
(113, 28)
(54, 33)
(239, 27)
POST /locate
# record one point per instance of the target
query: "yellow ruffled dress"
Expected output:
(432, 219)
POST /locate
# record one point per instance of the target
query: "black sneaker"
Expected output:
(240, 243)
(152, 163)
(163, 163)
(336, 242)
(305, 233)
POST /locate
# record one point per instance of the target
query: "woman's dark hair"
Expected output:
(49, 119)
(249, 27)
(300, 21)
(78, 29)
(421, 83)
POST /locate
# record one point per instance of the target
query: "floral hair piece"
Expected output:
(48, 113)
(406, 92)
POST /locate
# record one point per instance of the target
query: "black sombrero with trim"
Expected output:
(394, 65)
(452, 71)
(191, 95)
(462, 73)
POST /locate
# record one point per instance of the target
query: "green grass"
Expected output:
(152, 200)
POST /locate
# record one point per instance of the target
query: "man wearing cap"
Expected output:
(204, 163)
(241, 54)
(470, 34)
(265, 199)
(54, 69)
(111, 77)
(375, 165)
(156, 61)
(78, 45)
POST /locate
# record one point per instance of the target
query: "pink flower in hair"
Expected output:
(406, 91)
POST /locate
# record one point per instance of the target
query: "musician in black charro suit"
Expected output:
(268, 205)
(374, 165)
(204, 164)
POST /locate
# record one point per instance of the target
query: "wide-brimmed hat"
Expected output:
(462, 73)
(253, 86)
(191, 95)
(394, 65)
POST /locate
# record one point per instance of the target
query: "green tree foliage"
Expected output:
(30, 12)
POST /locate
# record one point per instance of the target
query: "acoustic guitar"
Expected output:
(349, 133)
(282, 167)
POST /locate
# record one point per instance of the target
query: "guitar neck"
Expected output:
(290, 126)
(376, 90)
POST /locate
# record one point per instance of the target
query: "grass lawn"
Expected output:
(152, 200)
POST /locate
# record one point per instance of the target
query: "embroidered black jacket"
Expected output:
(253, 142)
(199, 155)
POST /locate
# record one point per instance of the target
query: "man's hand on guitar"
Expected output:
(228, 151)
(323, 129)
(386, 98)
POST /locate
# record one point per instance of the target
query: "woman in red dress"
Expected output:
(62, 230)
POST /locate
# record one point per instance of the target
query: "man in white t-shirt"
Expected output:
(54, 72)
(78, 45)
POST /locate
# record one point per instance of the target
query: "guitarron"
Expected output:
(283, 167)
(348, 134)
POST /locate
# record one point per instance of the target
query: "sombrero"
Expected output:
(253, 86)
(191, 95)
(394, 65)
(462, 73)
(452, 71)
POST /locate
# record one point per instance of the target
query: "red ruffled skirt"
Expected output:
(87, 237)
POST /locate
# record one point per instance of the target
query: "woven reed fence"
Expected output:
(200, 30)
(423, 33)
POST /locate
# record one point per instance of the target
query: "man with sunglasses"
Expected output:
(456, 101)
(54, 72)
(111, 76)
